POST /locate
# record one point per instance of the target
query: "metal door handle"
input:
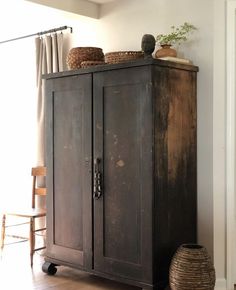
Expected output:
(97, 186)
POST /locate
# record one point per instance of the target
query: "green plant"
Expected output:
(177, 35)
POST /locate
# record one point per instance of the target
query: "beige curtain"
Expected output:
(49, 59)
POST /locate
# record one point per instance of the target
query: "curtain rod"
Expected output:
(39, 33)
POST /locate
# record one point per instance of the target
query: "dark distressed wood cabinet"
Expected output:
(121, 169)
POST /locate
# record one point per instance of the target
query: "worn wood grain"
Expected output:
(139, 121)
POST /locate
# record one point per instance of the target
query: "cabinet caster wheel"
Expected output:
(49, 268)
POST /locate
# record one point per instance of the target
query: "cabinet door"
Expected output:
(123, 158)
(68, 147)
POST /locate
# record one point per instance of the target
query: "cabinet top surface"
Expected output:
(137, 63)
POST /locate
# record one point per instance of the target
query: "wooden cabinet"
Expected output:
(121, 164)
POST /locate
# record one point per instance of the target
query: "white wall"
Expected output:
(219, 137)
(28, 18)
(18, 85)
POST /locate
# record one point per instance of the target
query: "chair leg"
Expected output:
(3, 232)
(32, 240)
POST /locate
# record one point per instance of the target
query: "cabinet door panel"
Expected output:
(123, 141)
(69, 166)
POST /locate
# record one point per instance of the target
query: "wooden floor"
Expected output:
(16, 273)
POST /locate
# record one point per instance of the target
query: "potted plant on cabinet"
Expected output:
(176, 36)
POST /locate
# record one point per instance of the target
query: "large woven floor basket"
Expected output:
(191, 269)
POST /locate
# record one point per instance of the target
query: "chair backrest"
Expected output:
(37, 172)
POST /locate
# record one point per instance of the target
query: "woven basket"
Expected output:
(191, 268)
(88, 63)
(122, 56)
(79, 54)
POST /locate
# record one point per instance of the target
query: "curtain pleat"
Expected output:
(38, 58)
(55, 67)
(48, 43)
(49, 58)
(40, 54)
(60, 51)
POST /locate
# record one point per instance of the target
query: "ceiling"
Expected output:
(89, 8)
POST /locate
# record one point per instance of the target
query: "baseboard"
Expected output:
(220, 284)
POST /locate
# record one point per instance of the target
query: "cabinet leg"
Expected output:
(49, 268)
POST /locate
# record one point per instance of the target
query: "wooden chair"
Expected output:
(31, 214)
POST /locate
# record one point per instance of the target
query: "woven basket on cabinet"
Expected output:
(79, 54)
(122, 56)
(88, 63)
